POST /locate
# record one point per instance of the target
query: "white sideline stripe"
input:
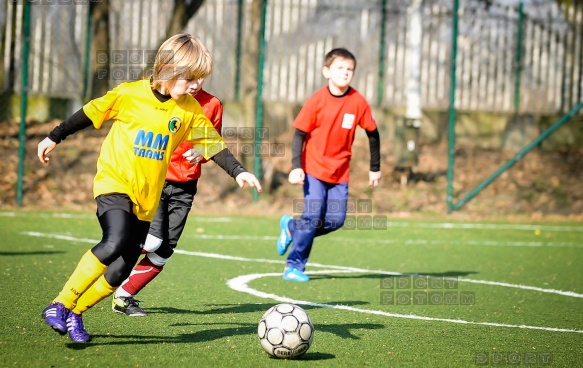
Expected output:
(48, 215)
(450, 225)
(488, 243)
(406, 242)
(433, 225)
(384, 241)
(60, 237)
(213, 219)
(240, 284)
(331, 267)
(334, 269)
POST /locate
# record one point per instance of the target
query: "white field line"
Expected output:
(406, 242)
(335, 269)
(448, 225)
(240, 284)
(432, 225)
(331, 267)
(382, 241)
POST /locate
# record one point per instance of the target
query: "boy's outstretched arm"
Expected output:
(231, 166)
(374, 141)
(297, 175)
(74, 123)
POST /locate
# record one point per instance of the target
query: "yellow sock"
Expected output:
(88, 270)
(100, 290)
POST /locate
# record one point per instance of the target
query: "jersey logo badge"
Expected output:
(174, 125)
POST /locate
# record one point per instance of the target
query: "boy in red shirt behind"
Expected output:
(321, 152)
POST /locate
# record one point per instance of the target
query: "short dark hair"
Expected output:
(336, 53)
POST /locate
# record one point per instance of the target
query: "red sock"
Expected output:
(144, 272)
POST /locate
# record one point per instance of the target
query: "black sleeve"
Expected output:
(374, 141)
(74, 123)
(297, 147)
(229, 163)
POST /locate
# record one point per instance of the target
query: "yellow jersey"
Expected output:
(136, 152)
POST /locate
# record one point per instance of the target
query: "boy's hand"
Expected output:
(44, 148)
(297, 176)
(247, 177)
(192, 156)
(373, 178)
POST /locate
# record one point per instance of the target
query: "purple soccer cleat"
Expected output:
(77, 332)
(55, 315)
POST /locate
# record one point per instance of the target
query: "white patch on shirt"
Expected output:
(348, 121)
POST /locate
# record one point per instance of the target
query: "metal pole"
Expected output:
(451, 139)
(238, 51)
(87, 63)
(259, 112)
(23, 100)
(519, 155)
(518, 61)
(382, 48)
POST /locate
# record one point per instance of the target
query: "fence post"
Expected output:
(518, 60)
(382, 47)
(87, 63)
(240, 8)
(452, 86)
(259, 112)
(23, 100)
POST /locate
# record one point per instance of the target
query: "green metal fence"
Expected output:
(298, 33)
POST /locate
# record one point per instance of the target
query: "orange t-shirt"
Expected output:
(180, 170)
(331, 122)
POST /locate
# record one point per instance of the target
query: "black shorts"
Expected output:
(114, 201)
(172, 213)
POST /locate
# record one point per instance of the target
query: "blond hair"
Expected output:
(182, 56)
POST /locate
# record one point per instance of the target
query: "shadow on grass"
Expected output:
(238, 308)
(208, 333)
(33, 253)
(378, 276)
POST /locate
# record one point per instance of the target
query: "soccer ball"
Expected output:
(285, 331)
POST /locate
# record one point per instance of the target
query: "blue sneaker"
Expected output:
(77, 332)
(55, 315)
(293, 274)
(285, 237)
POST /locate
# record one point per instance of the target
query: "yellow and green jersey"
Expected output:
(136, 152)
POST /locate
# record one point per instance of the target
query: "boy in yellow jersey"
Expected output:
(170, 220)
(151, 118)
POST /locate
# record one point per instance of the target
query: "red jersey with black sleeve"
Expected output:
(330, 123)
(180, 170)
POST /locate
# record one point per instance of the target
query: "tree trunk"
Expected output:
(249, 79)
(181, 14)
(413, 57)
(250, 64)
(100, 48)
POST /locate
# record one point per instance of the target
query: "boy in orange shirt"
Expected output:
(321, 152)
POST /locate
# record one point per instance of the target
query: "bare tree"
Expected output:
(182, 11)
(100, 48)
(250, 64)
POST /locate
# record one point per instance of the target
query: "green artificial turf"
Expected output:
(514, 291)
